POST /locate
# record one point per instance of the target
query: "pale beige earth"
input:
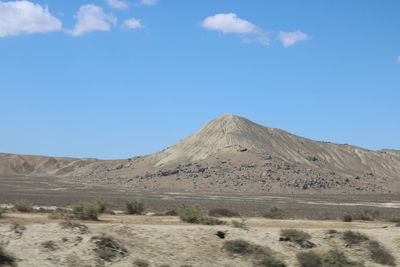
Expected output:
(166, 240)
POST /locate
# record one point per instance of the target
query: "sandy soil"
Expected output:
(166, 240)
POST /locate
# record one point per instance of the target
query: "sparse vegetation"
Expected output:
(5, 258)
(368, 214)
(49, 245)
(61, 213)
(23, 207)
(141, 263)
(134, 207)
(108, 248)
(309, 259)
(82, 229)
(2, 210)
(102, 206)
(294, 235)
(212, 221)
(241, 247)
(336, 258)
(347, 218)
(395, 219)
(270, 261)
(274, 213)
(354, 238)
(191, 213)
(240, 224)
(85, 211)
(380, 254)
(223, 213)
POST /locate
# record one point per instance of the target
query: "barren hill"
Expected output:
(229, 154)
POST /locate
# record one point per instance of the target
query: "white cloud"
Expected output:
(132, 24)
(230, 23)
(24, 17)
(148, 2)
(118, 4)
(291, 38)
(92, 18)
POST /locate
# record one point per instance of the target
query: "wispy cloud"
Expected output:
(132, 24)
(24, 17)
(118, 4)
(92, 18)
(148, 2)
(230, 23)
(291, 38)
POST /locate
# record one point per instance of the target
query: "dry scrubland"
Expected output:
(191, 237)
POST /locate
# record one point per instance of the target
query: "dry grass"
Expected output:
(223, 213)
(294, 235)
(380, 254)
(23, 207)
(108, 248)
(354, 238)
(336, 258)
(309, 259)
(274, 213)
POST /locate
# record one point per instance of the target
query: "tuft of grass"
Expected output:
(354, 238)
(241, 247)
(309, 259)
(274, 213)
(108, 248)
(336, 258)
(223, 213)
(347, 218)
(294, 235)
(380, 254)
(240, 224)
(23, 206)
(49, 245)
(85, 211)
(6, 259)
(141, 263)
(191, 213)
(134, 207)
(368, 214)
(270, 261)
(82, 229)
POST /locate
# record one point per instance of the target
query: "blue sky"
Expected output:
(87, 79)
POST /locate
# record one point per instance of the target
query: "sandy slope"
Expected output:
(165, 240)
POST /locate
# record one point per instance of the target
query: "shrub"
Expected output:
(395, 219)
(309, 259)
(171, 213)
(212, 221)
(102, 206)
(60, 213)
(240, 224)
(190, 213)
(270, 261)
(223, 213)
(108, 248)
(23, 207)
(273, 213)
(347, 218)
(294, 235)
(335, 258)
(354, 238)
(241, 247)
(2, 210)
(134, 207)
(368, 214)
(379, 254)
(82, 229)
(141, 263)
(6, 259)
(85, 211)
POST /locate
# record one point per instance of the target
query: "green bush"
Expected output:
(336, 258)
(102, 206)
(274, 213)
(134, 207)
(354, 238)
(223, 213)
(191, 213)
(309, 259)
(23, 207)
(85, 211)
(6, 259)
(347, 218)
(380, 255)
(294, 235)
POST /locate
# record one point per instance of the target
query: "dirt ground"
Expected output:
(35, 240)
